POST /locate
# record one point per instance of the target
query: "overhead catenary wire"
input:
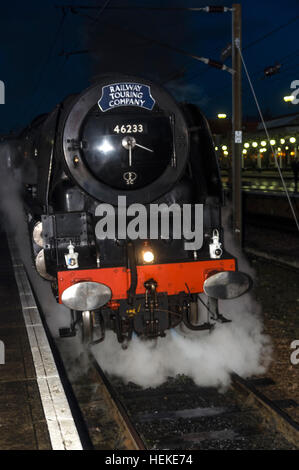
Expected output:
(205, 60)
(268, 136)
(257, 41)
(205, 9)
(95, 19)
(273, 31)
(60, 69)
(276, 78)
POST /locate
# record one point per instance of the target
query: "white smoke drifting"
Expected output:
(208, 358)
(14, 221)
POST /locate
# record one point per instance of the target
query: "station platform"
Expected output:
(34, 411)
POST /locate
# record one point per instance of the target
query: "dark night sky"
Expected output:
(37, 77)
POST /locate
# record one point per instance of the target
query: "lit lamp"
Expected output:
(147, 253)
(292, 140)
(221, 116)
(288, 99)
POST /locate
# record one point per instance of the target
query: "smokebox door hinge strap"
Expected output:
(133, 270)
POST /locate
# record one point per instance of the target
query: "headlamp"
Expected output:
(148, 256)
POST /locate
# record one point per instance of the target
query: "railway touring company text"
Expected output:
(126, 94)
(144, 223)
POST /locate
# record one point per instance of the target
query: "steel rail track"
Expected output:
(270, 410)
(275, 420)
(131, 439)
(275, 259)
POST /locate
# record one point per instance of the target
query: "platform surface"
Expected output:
(34, 410)
(22, 420)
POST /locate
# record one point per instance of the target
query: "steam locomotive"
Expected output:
(126, 139)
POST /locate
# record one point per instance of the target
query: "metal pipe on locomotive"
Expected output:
(126, 136)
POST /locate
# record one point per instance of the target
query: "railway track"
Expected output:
(280, 260)
(180, 415)
(176, 415)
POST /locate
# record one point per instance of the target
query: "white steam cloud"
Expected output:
(208, 358)
(14, 221)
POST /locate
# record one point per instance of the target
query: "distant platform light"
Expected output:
(292, 153)
(288, 98)
(263, 143)
(272, 142)
(287, 148)
(254, 144)
(244, 151)
(246, 145)
(224, 147)
(279, 149)
(216, 148)
(221, 116)
(225, 152)
(282, 141)
(292, 140)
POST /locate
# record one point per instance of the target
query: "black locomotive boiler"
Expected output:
(126, 137)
